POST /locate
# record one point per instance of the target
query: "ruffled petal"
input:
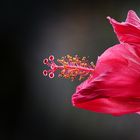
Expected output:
(129, 31)
(132, 18)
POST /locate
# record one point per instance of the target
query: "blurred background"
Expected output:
(35, 107)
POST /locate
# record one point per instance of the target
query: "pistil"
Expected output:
(70, 68)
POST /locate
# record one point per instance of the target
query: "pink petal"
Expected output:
(138, 113)
(132, 18)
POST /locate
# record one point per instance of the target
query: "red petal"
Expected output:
(114, 106)
(128, 31)
(116, 77)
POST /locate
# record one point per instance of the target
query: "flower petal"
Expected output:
(129, 31)
(114, 106)
(138, 113)
(132, 18)
(117, 75)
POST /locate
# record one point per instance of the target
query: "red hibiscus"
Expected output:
(114, 88)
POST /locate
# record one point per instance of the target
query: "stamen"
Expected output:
(70, 68)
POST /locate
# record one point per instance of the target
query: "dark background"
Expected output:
(35, 107)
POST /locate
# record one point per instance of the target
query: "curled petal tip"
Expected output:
(108, 17)
(111, 20)
(131, 12)
(132, 18)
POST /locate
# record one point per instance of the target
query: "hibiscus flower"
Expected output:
(113, 85)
